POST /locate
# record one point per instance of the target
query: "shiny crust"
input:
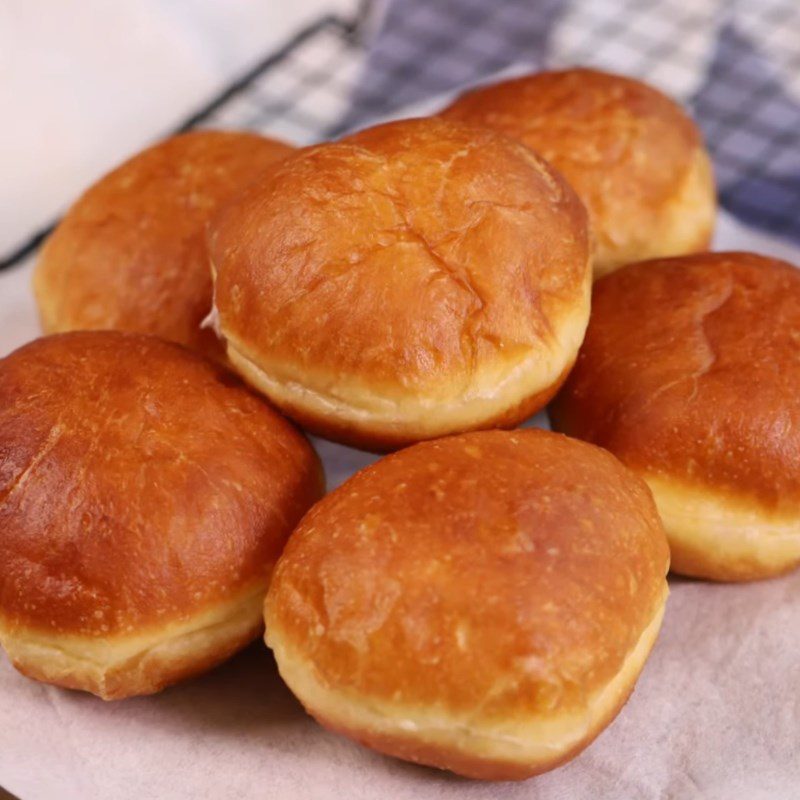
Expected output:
(415, 279)
(481, 603)
(690, 374)
(145, 494)
(633, 156)
(130, 254)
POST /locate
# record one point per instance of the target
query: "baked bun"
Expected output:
(130, 254)
(415, 279)
(690, 374)
(632, 155)
(145, 496)
(482, 603)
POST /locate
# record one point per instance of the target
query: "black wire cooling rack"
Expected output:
(341, 73)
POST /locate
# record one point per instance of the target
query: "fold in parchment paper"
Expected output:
(716, 713)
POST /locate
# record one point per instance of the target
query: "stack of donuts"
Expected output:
(483, 598)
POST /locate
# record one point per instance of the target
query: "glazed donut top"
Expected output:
(139, 483)
(507, 571)
(691, 370)
(421, 258)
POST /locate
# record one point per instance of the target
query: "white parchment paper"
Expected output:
(716, 713)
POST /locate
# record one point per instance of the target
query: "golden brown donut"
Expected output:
(415, 279)
(632, 155)
(130, 254)
(482, 603)
(690, 374)
(145, 496)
